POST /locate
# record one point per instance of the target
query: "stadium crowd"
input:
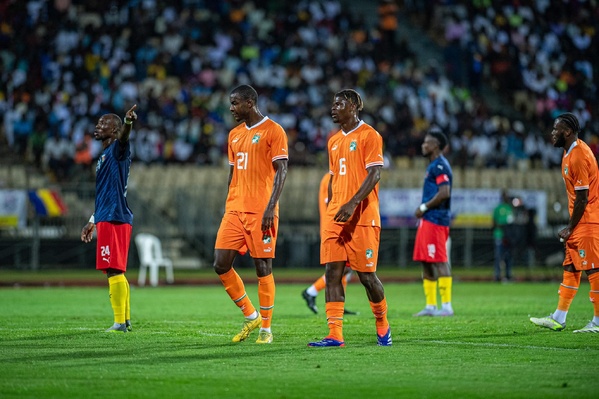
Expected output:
(64, 63)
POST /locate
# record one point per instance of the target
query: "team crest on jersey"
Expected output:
(266, 240)
(353, 145)
(566, 170)
(369, 253)
(582, 253)
(100, 162)
(255, 139)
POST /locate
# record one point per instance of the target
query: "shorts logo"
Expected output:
(369, 253)
(266, 240)
(353, 145)
(269, 249)
(582, 253)
(255, 139)
(432, 250)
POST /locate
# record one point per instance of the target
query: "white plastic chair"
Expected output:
(150, 257)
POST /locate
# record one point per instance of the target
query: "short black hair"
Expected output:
(571, 120)
(352, 96)
(246, 92)
(438, 134)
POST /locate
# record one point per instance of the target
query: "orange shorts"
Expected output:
(582, 247)
(242, 231)
(358, 245)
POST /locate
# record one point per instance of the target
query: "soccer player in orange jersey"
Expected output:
(258, 157)
(581, 235)
(352, 225)
(310, 293)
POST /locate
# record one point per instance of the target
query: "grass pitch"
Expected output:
(52, 345)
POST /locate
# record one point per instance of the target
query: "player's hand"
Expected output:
(418, 213)
(87, 232)
(268, 220)
(131, 115)
(345, 212)
(564, 234)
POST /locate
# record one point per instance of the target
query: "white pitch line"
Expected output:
(493, 345)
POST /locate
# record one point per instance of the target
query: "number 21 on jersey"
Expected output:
(242, 160)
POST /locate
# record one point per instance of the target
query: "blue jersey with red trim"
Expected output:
(112, 177)
(438, 173)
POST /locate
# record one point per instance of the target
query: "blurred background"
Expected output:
(492, 74)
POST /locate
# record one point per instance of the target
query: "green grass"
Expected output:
(52, 345)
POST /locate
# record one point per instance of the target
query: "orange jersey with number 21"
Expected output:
(252, 151)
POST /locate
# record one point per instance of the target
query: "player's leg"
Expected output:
(567, 291)
(118, 298)
(335, 303)
(266, 296)
(429, 285)
(347, 274)
(310, 293)
(593, 325)
(378, 304)
(223, 265)
(445, 282)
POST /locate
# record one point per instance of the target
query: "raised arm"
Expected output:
(130, 116)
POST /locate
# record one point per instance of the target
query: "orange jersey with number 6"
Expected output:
(350, 155)
(579, 170)
(252, 151)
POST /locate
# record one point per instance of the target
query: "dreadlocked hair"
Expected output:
(571, 120)
(352, 96)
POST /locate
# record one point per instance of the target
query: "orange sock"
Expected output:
(567, 290)
(334, 312)
(380, 313)
(594, 293)
(236, 290)
(320, 283)
(266, 296)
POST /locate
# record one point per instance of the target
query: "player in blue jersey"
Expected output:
(112, 217)
(434, 213)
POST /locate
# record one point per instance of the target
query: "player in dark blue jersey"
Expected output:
(434, 213)
(112, 217)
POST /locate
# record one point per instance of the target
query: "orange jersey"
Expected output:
(252, 151)
(579, 170)
(350, 155)
(323, 196)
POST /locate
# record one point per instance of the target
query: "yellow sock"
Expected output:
(118, 296)
(445, 284)
(266, 296)
(430, 292)
(128, 302)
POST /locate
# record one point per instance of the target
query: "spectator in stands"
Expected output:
(503, 218)
(59, 154)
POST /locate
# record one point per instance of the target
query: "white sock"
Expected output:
(596, 320)
(447, 306)
(253, 315)
(431, 307)
(560, 316)
(312, 291)
(265, 329)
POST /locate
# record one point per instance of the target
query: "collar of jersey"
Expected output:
(359, 124)
(257, 124)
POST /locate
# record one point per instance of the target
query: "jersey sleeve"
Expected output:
(373, 149)
(579, 171)
(441, 174)
(278, 144)
(230, 150)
